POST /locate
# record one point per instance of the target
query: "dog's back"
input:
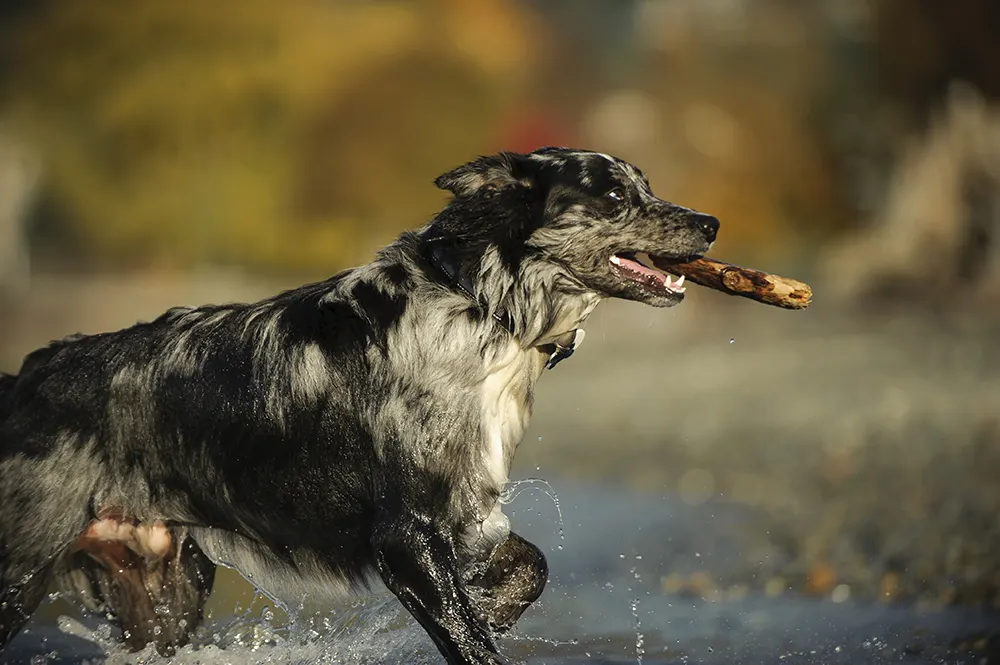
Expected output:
(7, 382)
(126, 428)
(155, 405)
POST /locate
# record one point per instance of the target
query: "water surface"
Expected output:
(605, 603)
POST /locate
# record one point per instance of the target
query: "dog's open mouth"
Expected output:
(636, 267)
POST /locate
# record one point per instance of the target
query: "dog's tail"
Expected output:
(7, 382)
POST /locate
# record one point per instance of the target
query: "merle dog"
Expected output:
(358, 428)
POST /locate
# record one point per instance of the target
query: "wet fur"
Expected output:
(359, 427)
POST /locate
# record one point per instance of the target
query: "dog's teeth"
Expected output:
(615, 259)
(680, 289)
(679, 283)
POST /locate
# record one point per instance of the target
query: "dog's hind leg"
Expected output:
(154, 597)
(44, 506)
(20, 600)
(513, 578)
(28, 553)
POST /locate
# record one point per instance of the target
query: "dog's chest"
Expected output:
(506, 409)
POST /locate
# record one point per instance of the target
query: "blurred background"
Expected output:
(167, 152)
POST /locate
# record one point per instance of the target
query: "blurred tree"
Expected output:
(201, 131)
(738, 84)
(891, 75)
(923, 46)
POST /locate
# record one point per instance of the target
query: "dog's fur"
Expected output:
(360, 426)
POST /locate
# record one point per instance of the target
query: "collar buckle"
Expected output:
(564, 351)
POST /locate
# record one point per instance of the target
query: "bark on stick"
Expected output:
(739, 281)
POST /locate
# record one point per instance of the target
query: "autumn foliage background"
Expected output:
(298, 136)
(164, 152)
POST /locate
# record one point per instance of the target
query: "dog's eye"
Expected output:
(616, 194)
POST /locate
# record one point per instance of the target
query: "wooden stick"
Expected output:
(738, 281)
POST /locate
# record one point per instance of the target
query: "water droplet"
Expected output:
(157, 630)
(640, 650)
(840, 593)
(732, 339)
(539, 438)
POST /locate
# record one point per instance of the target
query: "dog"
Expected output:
(350, 430)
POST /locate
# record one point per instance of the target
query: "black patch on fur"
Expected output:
(499, 215)
(382, 309)
(7, 382)
(397, 275)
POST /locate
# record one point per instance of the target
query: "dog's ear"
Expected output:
(491, 173)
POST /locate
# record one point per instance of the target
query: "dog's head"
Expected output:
(591, 215)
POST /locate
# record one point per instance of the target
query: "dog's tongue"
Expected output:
(649, 275)
(639, 268)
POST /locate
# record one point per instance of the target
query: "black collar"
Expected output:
(440, 252)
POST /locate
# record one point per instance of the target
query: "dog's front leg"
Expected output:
(513, 578)
(418, 563)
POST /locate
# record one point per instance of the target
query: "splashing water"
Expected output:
(375, 630)
(640, 650)
(571, 642)
(516, 488)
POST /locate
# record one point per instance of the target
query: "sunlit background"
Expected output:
(169, 152)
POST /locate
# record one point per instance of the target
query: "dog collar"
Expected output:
(436, 254)
(441, 259)
(564, 347)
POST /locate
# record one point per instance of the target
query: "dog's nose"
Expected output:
(708, 225)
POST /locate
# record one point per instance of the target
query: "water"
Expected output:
(516, 488)
(604, 604)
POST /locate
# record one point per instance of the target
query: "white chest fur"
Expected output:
(506, 407)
